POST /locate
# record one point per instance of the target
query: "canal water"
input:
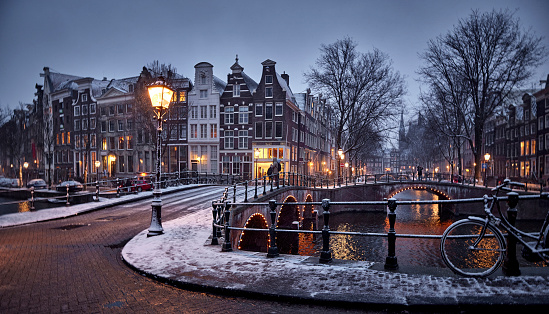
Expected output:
(10, 205)
(411, 219)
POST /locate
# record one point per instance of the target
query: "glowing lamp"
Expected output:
(160, 93)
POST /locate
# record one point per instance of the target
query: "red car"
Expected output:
(141, 184)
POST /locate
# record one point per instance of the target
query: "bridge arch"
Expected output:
(440, 193)
(256, 241)
(288, 218)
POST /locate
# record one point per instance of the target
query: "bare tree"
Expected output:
(363, 88)
(490, 56)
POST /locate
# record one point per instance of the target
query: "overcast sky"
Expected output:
(116, 38)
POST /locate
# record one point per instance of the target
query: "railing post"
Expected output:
(271, 178)
(214, 232)
(97, 191)
(283, 179)
(246, 191)
(227, 243)
(273, 249)
(234, 193)
(391, 260)
(32, 198)
(117, 187)
(511, 265)
(334, 183)
(255, 196)
(264, 185)
(326, 253)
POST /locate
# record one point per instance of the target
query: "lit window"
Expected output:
(213, 130)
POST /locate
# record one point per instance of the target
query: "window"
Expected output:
(268, 111)
(92, 123)
(84, 97)
(76, 111)
(120, 125)
(229, 139)
(182, 96)
(203, 79)
(203, 93)
(243, 114)
(121, 141)
(93, 142)
(77, 141)
(213, 130)
(120, 109)
(546, 121)
(258, 110)
(111, 111)
(194, 112)
(77, 125)
(268, 129)
(129, 108)
(203, 131)
(104, 144)
(278, 129)
(278, 109)
(121, 163)
(532, 146)
(111, 126)
(68, 137)
(236, 90)
(203, 112)
(268, 92)
(236, 164)
(84, 124)
(540, 141)
(213, 159)
(229, 115)
(129, 141)
(268, 79)
(112, 143)
(92, 108)
(213, 112)
(84, 109)
(129, 125)
(243, 139)
(183, 131)
(259, 130)
(540, 123)
(130, 163)
(103, 111)
(194, 131)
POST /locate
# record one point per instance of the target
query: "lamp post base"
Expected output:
(156, 216)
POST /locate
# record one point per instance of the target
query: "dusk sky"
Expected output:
(115, 39)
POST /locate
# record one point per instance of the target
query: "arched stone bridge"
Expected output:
(290, 216)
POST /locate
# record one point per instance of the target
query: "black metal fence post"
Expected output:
(117, 187)
(391, 260)
(227, 243)
(246, 191)
(67, 203)
(273, 249)
(32, 198)
(234, 193)
(214, 231)
(255, 196)
(326, 253)
(511, 265)
(264, 185)
(271, 178)
(97, 191)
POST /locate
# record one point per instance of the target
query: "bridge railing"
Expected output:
(221, 211)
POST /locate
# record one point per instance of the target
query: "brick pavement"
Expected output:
(74, 265)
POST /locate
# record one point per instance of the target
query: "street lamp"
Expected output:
(26, 165)
(487, 159)
(97, 164)
(161, 95)
(256, 153)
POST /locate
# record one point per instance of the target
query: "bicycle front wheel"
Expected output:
(464, 257)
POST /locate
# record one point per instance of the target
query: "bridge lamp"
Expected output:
(161, 96)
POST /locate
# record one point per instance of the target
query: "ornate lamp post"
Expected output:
(161, 96)
(26, 166)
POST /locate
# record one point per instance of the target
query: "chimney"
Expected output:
(104, 78)
(286, 77)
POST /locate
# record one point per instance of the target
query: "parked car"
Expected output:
(74, 186)
(141, 184)
(37, 184)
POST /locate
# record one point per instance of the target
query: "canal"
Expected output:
(10, 206)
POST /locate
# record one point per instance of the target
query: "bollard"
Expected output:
(227, 243)
(245, 191)
(271, 178)
(32, 198)
(264, 184)
(255, 196)
(214, 231)
(326, 254)
(511, 265)
(97, 191)
(391, 260)
(117, 188)
(67, 203)
(273, 249)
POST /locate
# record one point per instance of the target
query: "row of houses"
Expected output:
(233, 126)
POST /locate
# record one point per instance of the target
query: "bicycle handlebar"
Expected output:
(506, 183)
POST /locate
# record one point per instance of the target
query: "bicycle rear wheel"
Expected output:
(462, 258)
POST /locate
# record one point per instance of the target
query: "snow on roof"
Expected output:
(252, 85)
(301, 100)
(219, 84)
(284, 85)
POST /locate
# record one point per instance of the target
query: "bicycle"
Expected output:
(476, 247)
